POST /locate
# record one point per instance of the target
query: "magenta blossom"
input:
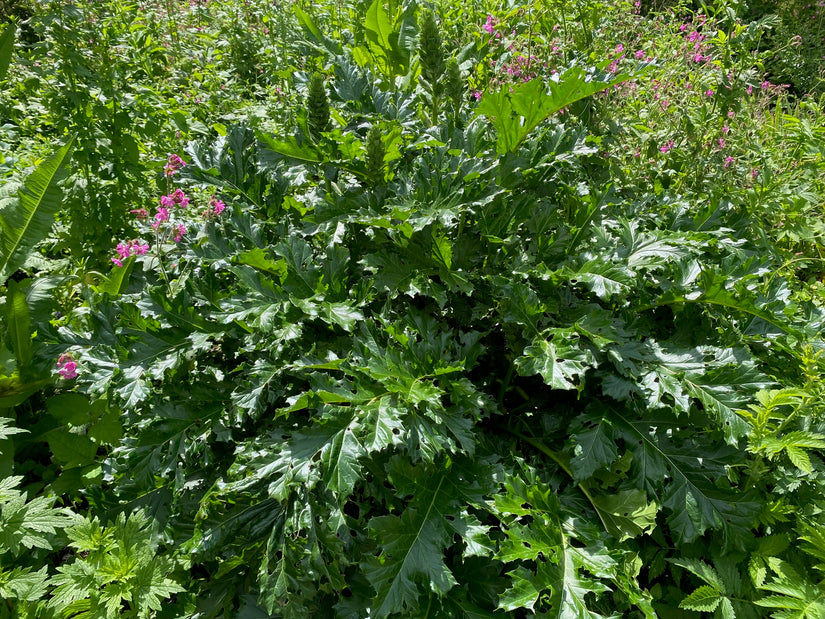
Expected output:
(173, 164)
(179, 232)
(666, 147)
(728, 160)
(132, 248)
(123, 250)
(66, 366)
(180, 198)
(162, 215)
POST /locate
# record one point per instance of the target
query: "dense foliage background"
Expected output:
(355, 309)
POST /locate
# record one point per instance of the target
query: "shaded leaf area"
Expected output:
(489, 385)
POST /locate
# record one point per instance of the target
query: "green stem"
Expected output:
(160, 261)
(505, 383)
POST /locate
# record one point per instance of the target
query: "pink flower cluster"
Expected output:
(179, 230)
(490, 26)
(175, 199)
(66, 366)
(132, 248)
(216, 207)
(173, 164)
(697, 40)
(519, 67)
(161, 216)
(666, 147)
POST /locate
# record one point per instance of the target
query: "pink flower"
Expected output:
(477, 95)
(123, 250)
(167, 201)
(218, 206)
(721, 143)
(640, 54)
(765, 85)
(666, 147)
(162, 215)
(749, 90)
(140, 213)
(489, 27)
(67, 368)
(728, 160)
(132, 248)
(179, 232)
(173, 164)
(619, 48)
(709, 93)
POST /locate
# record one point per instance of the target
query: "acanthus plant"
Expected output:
(487, 385)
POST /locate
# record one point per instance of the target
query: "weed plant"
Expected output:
(356, 309)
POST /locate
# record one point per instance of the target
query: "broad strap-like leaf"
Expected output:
(516, 110)
(6, 49)
(18, 325)
(26, 220)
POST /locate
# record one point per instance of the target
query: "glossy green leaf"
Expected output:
(6, 48)
(26, 219)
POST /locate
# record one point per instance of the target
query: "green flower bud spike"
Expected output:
(375, 155)
(317, 106)
(430, 50)
(454, 85)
